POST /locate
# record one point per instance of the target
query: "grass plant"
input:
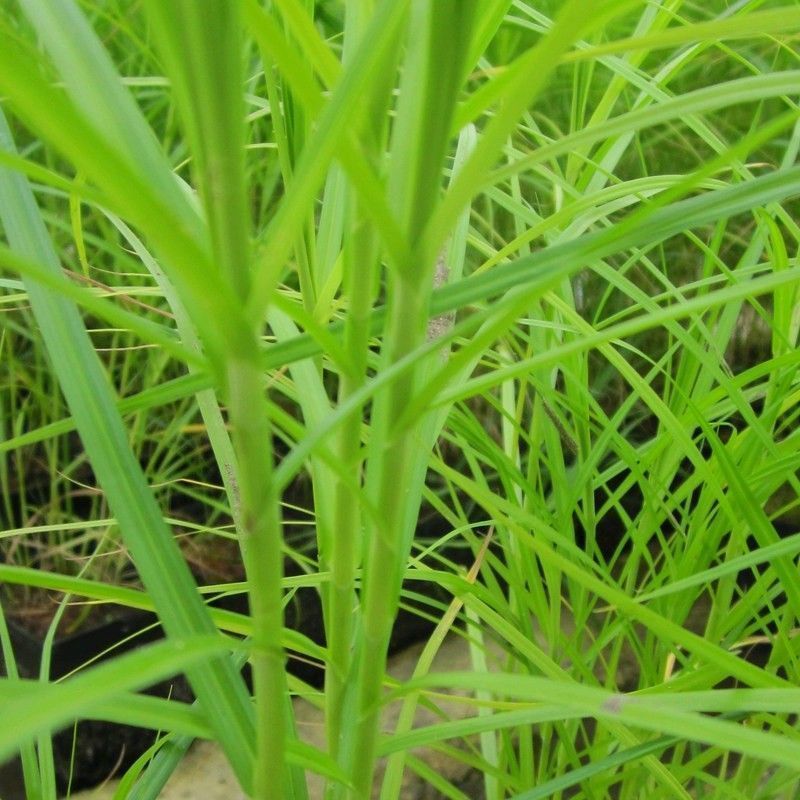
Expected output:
(529, 267)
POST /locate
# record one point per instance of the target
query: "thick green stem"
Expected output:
(344, 562)
(347, 537)
(261, 529)
(388, 487)
(361, 261)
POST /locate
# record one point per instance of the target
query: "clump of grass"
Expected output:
(487, 256)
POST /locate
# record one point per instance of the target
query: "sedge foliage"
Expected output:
(529, 266)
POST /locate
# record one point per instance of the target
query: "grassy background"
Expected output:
(528, 267)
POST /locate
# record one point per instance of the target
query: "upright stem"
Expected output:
(389, 485)
(361, 262)
(263, 556)
(347, 535)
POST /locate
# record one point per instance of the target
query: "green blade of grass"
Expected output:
(658, 714)
(203, 57)
(168, 392)
(149, 332)
(228, 621)
(775, 21)
(433, 72)
(607, 764)
(539, 271)
(125, 708)
(340, 114)
(90, 398)
(94, 85)
(705, 100)
(301, 26)
(27, 750)
(179, 236)
(51, 707)
(528, 79)
(618, 331)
